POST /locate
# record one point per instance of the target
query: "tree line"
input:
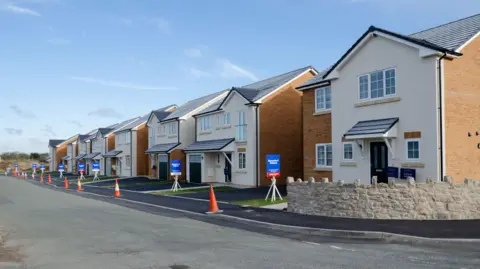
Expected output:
(22, 156)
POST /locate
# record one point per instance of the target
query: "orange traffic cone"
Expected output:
(41, 178)
(117, 189)
(213, 203)
(65, 182)
(79, 185)
(49, 179)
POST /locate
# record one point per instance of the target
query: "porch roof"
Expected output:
(373, 129)
(65, 158)
(81, 156)
(112, 153)
(91, 155)
(209, 145)
(162, 148)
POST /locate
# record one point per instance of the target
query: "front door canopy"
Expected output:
(210, 145)
(112, 153)
(162, 148)
(379, 128)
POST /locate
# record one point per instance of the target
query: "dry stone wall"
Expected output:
(395, 200)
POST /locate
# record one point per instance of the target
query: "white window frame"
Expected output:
(242, 126)
(325, 145)
(369, 85)
(205, 123)
(240, 167)
(127, 138)
(324, 97)
(224, 119)
(343, 151)
(128, 161)
(172, 128)
(418, 140)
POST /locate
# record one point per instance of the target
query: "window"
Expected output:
(348, 151)
(128, 161)
(223, 119)
(324, 155)
(377, 84)
(127, 138)
(172, 128)
(159, 129)
(323, 97)
(205, 123)
(413, 149)
(151, 137)
(242, 160)
(241, 127)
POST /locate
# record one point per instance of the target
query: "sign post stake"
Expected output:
(273, 170)
(273, 190)
(42, 168)
(175, 170)
(81, 169)
(34, 167)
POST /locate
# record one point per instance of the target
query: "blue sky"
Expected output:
(70, 66)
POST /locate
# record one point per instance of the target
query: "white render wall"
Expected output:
(126, 151)
(70, 148)
(52, 155)
(133, 154)
(416, 85)
(235, 104)
(98, 145)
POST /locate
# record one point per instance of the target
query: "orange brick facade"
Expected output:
(281, 130)
(316, 129)
(61, 152)
(152, 173)
(142, 144)
(462, 114)
(178, 154)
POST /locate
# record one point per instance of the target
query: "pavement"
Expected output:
(393, 230)
(54, 229)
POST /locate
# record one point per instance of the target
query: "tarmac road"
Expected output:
(56, 230)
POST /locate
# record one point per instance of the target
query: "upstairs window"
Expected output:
(241, 127)
(205, 123)
(323, 99)
(172, 128)
(224, 119)
(377, 84)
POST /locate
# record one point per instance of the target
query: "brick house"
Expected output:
(169, 134)
(396, 105)
(234, 134)
(56, 151)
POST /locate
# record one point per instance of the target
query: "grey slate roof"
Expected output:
(259, 89)
(81, 156)
(132, 124)
(91, 155)
(378, 126)
(255, 91)
(209, 145)
(112, 153)
(315, 80)
(163, 148)
(192, 105)
(106, 130)
(55, 142)
(82, 137)
(451, 35)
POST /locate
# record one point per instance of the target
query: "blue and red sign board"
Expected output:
(15, 165)
(42, 166)
(175, 167)
(34, 166)
(81, 167)
(96, 166)
(61, 168)
(273, 165)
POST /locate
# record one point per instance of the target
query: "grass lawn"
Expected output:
(218, 188)
(261, 202)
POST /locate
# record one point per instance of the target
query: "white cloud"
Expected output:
(13, 131)
(48, 130)
(230, 70)
(58, 41)
(161, 24)
(20, 10)
(118, 84)
(193, 53)
(198, 73)
(22, 113)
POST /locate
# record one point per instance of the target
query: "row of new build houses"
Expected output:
(391, 103)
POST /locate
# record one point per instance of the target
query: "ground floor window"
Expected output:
(348, 151)
(324, 155)
(413, 149)
(242, 160)
(128, 161)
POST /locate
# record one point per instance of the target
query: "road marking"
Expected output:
(340, 248)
